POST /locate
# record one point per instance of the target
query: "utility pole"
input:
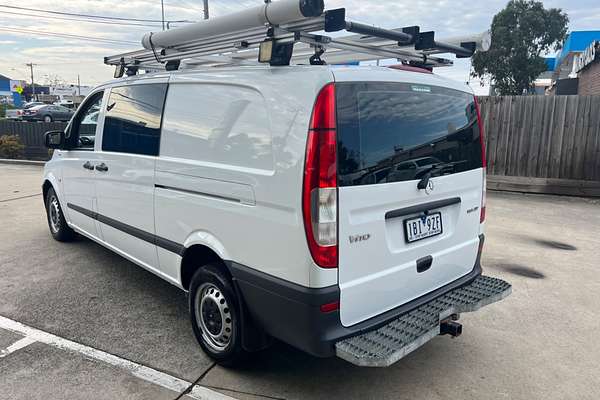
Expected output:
(205, 9)
(78, 86)
(30, 65)
(162, 7)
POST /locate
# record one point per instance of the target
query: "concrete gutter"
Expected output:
(21, 162)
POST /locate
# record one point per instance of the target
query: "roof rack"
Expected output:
(290, 32)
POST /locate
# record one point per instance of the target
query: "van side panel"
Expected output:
(231, 166)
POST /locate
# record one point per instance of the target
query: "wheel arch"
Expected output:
(50, 181)
(194, 257)
(45, 188)
(201, 253)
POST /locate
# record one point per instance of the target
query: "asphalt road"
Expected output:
(540, 343)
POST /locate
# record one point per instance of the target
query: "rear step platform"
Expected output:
(391, 342)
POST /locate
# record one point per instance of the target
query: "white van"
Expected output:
(271, 195)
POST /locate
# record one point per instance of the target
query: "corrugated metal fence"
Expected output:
(31, 135)
(545, 144)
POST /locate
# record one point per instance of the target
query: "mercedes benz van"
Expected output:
(338, 209)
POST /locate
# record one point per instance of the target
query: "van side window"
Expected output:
(133, 118)
(217, 123)
(83, 129)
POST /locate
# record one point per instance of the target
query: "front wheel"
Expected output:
(47, 118)
(56, 219)
(215, 315)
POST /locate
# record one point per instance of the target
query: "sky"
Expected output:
(66, 58)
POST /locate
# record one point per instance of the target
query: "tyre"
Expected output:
(47, 118)
(56, 219)
(215, 315)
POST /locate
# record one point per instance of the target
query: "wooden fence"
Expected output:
(31, 135)
(544, 144)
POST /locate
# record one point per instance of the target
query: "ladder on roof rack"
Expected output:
(286, 32)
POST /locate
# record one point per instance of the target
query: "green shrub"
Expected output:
(11, 147)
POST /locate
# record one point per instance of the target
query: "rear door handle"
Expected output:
(88, 165)
(423, 264)
(102, 167)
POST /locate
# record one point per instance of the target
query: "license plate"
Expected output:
(423, 227)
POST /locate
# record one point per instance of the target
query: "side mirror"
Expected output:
(54, 139)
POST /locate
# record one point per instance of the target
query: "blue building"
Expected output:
(565, 80)
(4, 86)
(576, 42)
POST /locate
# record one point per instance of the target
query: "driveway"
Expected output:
(541, 342)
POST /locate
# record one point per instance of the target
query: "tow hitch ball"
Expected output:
(449, 327)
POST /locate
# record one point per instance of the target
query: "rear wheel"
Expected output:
(215, 315)
(56, 219)
(47, 118)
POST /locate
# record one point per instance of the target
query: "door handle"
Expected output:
(88, 165)
(102, 167)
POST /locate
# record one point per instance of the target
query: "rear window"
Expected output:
(394, 132)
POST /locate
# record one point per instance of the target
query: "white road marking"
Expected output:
(140, 371)
(19, 344)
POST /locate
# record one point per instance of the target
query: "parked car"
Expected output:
(32, 104)
(253, 202)
(47, 113)
(413, 169)
(13, 113)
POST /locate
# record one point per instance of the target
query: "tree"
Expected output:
(521, 33)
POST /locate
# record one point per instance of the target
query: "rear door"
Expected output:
(398, 242)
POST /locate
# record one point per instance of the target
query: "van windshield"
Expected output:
(394, 132)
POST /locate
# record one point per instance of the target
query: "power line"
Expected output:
(70, 36)
(81, 19)
(87, 15)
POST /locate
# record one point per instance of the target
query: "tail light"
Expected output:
(483, 163)
(319, 192)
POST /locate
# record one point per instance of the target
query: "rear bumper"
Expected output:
(384, 346)
(291, 312)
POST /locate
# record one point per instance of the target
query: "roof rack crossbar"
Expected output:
(238, 38)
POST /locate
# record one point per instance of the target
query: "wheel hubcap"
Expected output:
(54, 212)
(214, 317)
